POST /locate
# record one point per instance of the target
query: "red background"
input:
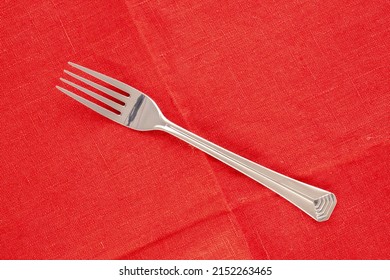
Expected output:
(301, 87)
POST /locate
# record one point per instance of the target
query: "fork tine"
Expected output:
(98, 109)
(106, 101)
(99, 87)
(118, 84)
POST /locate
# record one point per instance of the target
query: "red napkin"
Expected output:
(298, 86)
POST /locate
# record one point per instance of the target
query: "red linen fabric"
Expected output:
(301, 87)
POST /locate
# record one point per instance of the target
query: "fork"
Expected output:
(138, 111)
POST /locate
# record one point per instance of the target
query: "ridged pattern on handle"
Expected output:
(324, 206)
(314, 201)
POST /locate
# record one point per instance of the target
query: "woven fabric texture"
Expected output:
(301, 87)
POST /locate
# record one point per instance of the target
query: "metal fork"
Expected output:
(138, 111)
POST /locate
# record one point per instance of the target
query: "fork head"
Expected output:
(136, 110)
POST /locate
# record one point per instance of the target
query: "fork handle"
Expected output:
(314, 201)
